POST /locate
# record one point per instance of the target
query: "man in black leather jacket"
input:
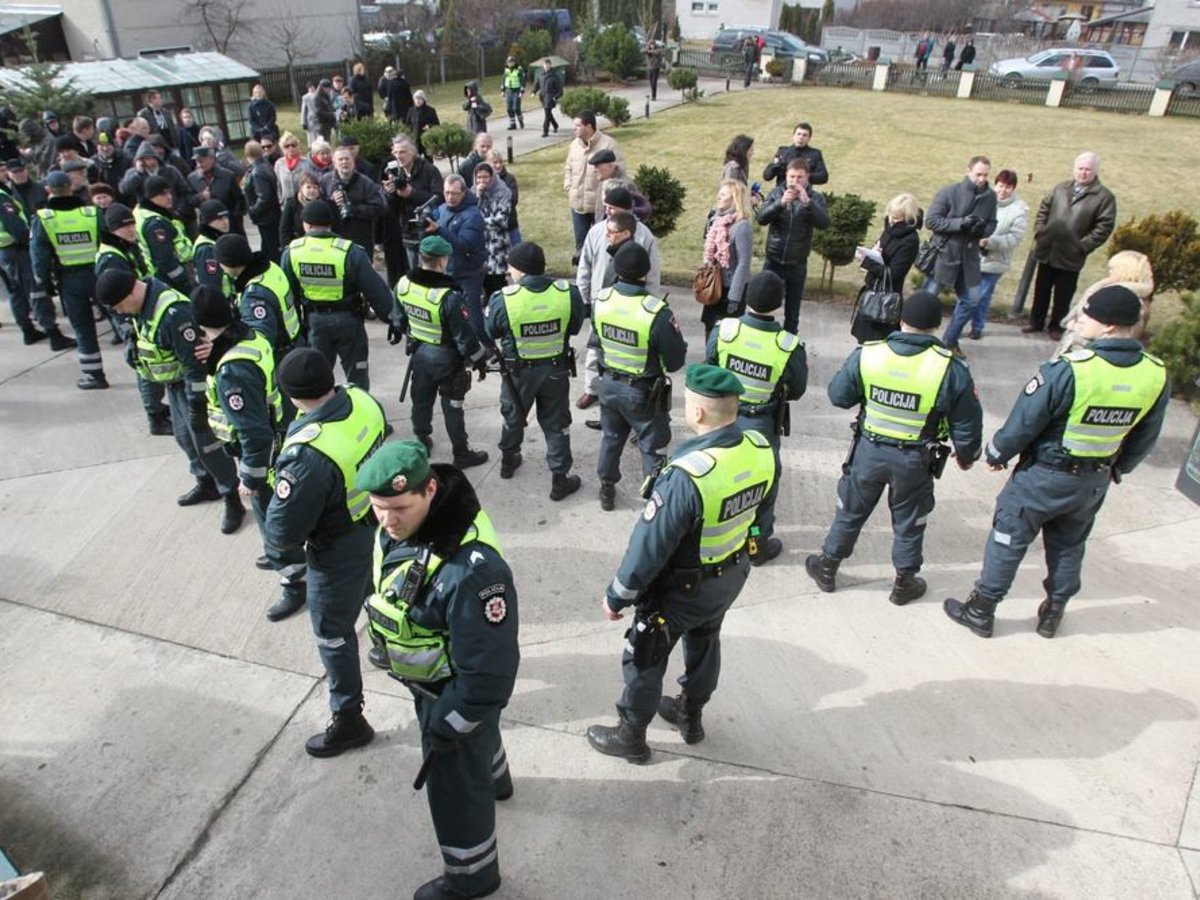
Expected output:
(791, 212)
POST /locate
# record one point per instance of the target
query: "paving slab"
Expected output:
(117, 750)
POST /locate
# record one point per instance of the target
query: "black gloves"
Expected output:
(974, 226)
(394, 334)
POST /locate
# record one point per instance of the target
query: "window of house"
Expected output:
(202, 101)
(236, 100)
(1086, 12)
(1185, 40)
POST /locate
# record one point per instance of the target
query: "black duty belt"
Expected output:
(717, 569)
(322, 306)
(559, 361)
(891, 442)
(626, 378)
(1075, 466)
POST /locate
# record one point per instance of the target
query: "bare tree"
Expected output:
(293, 39)
(220, 23)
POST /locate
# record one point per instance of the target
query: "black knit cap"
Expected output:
(632, 263)
(619, 197)
(922, 310)
(1113, 305)
(155, 185)
(233, 250)
(528, 257)
(317, 212)
(212, 308)
(764, 293)
(118, 215)
(113, 286)
(305, 374)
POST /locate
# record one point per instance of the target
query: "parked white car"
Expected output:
(1091, 68)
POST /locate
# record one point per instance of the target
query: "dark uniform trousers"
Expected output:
(153, 393)
(462, 801)
(904, 471)
(76, 287)
(624, 408)
(549, 386)
(291, 565)
(338, 580)
(206, 458)
(1059, 504)
(697, 620)
(764, 424)
(340, 336)
(438, 369)
(19, 269)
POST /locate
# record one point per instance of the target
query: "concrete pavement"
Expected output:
(152, 721)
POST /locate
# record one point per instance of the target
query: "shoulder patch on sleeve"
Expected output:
(1034, 383)
(211, 267)
(259, 311)
(495, 608)
(160, 235)
(475, 558)
(188, 333)
(235, 400)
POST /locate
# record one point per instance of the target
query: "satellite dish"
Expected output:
(1074, 31)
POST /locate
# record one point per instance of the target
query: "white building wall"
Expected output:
(700, 19)
(1169, 16)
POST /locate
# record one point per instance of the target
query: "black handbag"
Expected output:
(928, 253)
(878, 303)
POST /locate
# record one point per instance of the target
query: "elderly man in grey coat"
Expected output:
(959, 216)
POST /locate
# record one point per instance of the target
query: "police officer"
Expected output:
(686, 563)
(913, 395)
(533, 320)
(119, 249)
(166, 337)
(444, 620)
(772, 366)
(214, 223)
(262, 293)
(26, 301)
(639, 342)
(245, 413)
(512, 86)
(63, 244)
(317, 508)
(1083, 421)
(163, 235)
(332, 277)
(430, 310)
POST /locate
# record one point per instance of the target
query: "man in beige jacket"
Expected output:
(581, 181)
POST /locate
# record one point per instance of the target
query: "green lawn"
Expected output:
(876, 145)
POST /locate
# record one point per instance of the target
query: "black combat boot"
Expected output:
(684, 716)
(909, 586)
(234, 513)
(767, 551)
(264, 563)
(346, 730)
(439, 890)
(626, 740)
(608, 496)
(289, 604)
(32, 335)
(427, 441)
(823, 571)
(504, 785)
(470, 458)
(563, 485)
(1050, 614)
(377, 656)
(59, 341)
(203, 491)
(978, 613)
(160, 424)
(509, 463)
(92, 381)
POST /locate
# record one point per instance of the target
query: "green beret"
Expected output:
(435, 246)
(394, 468)
(713, 381)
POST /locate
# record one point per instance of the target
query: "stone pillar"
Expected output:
(882, 67)
(799, 69)
(966, 83)
(1058, 87)
(1162, 97)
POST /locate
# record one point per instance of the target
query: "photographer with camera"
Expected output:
(356, 199)
(960, 215)
(409, 183)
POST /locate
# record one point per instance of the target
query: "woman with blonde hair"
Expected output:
(729, 242)
(289, 167)
(887, 267)
(1128, 268)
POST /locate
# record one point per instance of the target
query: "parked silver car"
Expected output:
(1092, 68)
(1186, 78)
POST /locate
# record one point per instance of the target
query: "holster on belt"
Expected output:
(648, 638)
(571, 362)
(938, 455)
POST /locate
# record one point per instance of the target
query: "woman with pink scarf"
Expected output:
(729, 242)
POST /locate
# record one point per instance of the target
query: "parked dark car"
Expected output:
(779, 44)
(1186, 78)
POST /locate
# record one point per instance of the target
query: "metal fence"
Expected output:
(1127, 98)
(930, 82)
(712, 65)
(993, 87)
(1184, 105)
(839, 75)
